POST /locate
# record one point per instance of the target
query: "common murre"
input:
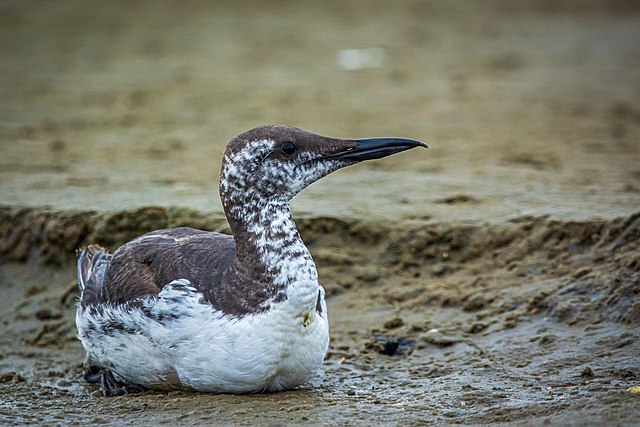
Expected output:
(190, 309)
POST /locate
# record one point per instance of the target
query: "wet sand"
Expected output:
(503, 263)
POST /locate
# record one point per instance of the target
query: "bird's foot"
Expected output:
(92, 374)
(109, 386)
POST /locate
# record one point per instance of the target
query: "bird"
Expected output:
(187, 309)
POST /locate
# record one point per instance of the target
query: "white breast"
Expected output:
(174, 341)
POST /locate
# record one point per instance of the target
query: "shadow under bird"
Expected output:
(189, 309)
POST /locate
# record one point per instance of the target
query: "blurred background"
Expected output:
(529, 107)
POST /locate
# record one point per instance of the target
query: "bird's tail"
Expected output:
(92, 263)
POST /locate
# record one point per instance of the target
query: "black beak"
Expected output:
(376, 148)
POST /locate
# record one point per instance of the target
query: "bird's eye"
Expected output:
(288, 148)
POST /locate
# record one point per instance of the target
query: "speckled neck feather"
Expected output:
(272, 263)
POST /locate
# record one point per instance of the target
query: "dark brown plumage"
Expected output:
(185, 308)
(143, 266)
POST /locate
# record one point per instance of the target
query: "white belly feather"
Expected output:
(174, 340)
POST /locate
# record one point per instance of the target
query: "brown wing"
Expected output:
(145, 265)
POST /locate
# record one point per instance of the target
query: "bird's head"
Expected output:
(274, 162)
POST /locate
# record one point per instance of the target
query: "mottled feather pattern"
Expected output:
(144, 265)
(178, 337)
(251, 290)
(190, 309)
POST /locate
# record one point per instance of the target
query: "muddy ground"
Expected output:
(501, 267)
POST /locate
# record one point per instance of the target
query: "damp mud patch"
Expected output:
(595, 265)
(533, 320)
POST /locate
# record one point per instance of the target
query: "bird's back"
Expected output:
(143, 266)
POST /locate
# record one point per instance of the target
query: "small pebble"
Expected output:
(587, 372)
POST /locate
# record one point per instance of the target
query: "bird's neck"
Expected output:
(271, 252)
